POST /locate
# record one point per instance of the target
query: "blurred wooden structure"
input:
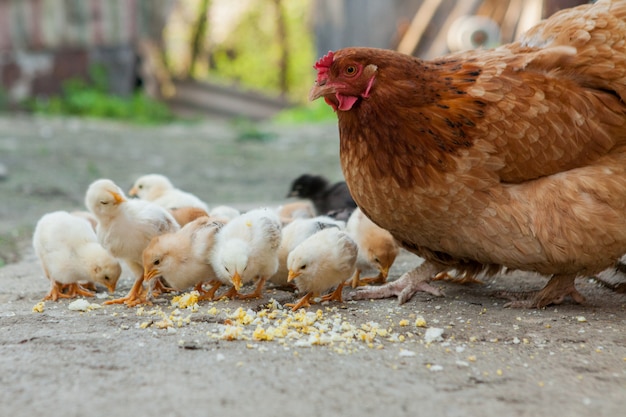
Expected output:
(423, 27)
(44, 42)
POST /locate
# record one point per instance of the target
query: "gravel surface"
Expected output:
(463, 354)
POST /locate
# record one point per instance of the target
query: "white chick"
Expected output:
(69, 252)
(159, 189)
(377, 248)
(125, 228)
(247, 249)
(321, 262)
(182, 257)
(292, 235)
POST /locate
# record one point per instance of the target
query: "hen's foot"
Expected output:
(335, 295)
(463, 279)
(404, 287)
(554, 292)
(302, 303)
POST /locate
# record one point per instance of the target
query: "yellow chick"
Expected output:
(69, 253)
(292, 235)
(322, 261)
(377, 248)
(184, 215)
(297, 210)
(160, 190)
(224, 212)
(125, 228)
(247, 250)
(182, 258)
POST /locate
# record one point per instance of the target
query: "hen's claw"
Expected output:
(404, 287)
(554, 292)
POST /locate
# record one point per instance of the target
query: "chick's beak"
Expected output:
(133, 192)
(237, 281)
(148, 275)
(118, 197)
(384, 271)
(293, 275)
(111, 286)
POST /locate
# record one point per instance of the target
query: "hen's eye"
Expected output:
(351, 70)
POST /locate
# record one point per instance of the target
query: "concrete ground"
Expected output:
(463, 354)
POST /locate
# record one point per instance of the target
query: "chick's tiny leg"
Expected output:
(160, 288)
(555, 291)
(210, 294)
(74, 290)
(379, 279)
(55, 292)
(356, 281)
(302, 303)
(258, 292)
(136, 295)
(406, 286)
(335, 295)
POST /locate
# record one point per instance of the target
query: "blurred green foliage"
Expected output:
(92, 99)
(250, 53)
(315, 112)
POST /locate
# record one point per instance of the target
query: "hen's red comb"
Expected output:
(325, 61)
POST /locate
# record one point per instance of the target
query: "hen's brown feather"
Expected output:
(513, 157)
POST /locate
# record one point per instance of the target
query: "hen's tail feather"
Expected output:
(597, 32)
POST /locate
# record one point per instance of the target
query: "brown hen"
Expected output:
(507, 158)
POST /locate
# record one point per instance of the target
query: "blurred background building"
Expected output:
(230, 57)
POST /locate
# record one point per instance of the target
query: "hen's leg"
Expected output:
(465, 278)
(405, 286)
(554, 292)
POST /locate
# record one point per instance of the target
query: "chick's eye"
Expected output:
(106, 277)
(303, 267)
(156, 262)
(103, 202)
(140, 186)
(350, 70)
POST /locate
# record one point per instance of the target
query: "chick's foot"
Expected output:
(136, 296)
(555, 292)
(335, 295)
(404, 287)
(304, 302)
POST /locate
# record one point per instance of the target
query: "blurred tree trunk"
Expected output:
(199, 35)
(281, 29)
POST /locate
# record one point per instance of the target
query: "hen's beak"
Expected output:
(237, 281)
(293, 275)
(118, 197)
(148, 275)
(321, 88)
